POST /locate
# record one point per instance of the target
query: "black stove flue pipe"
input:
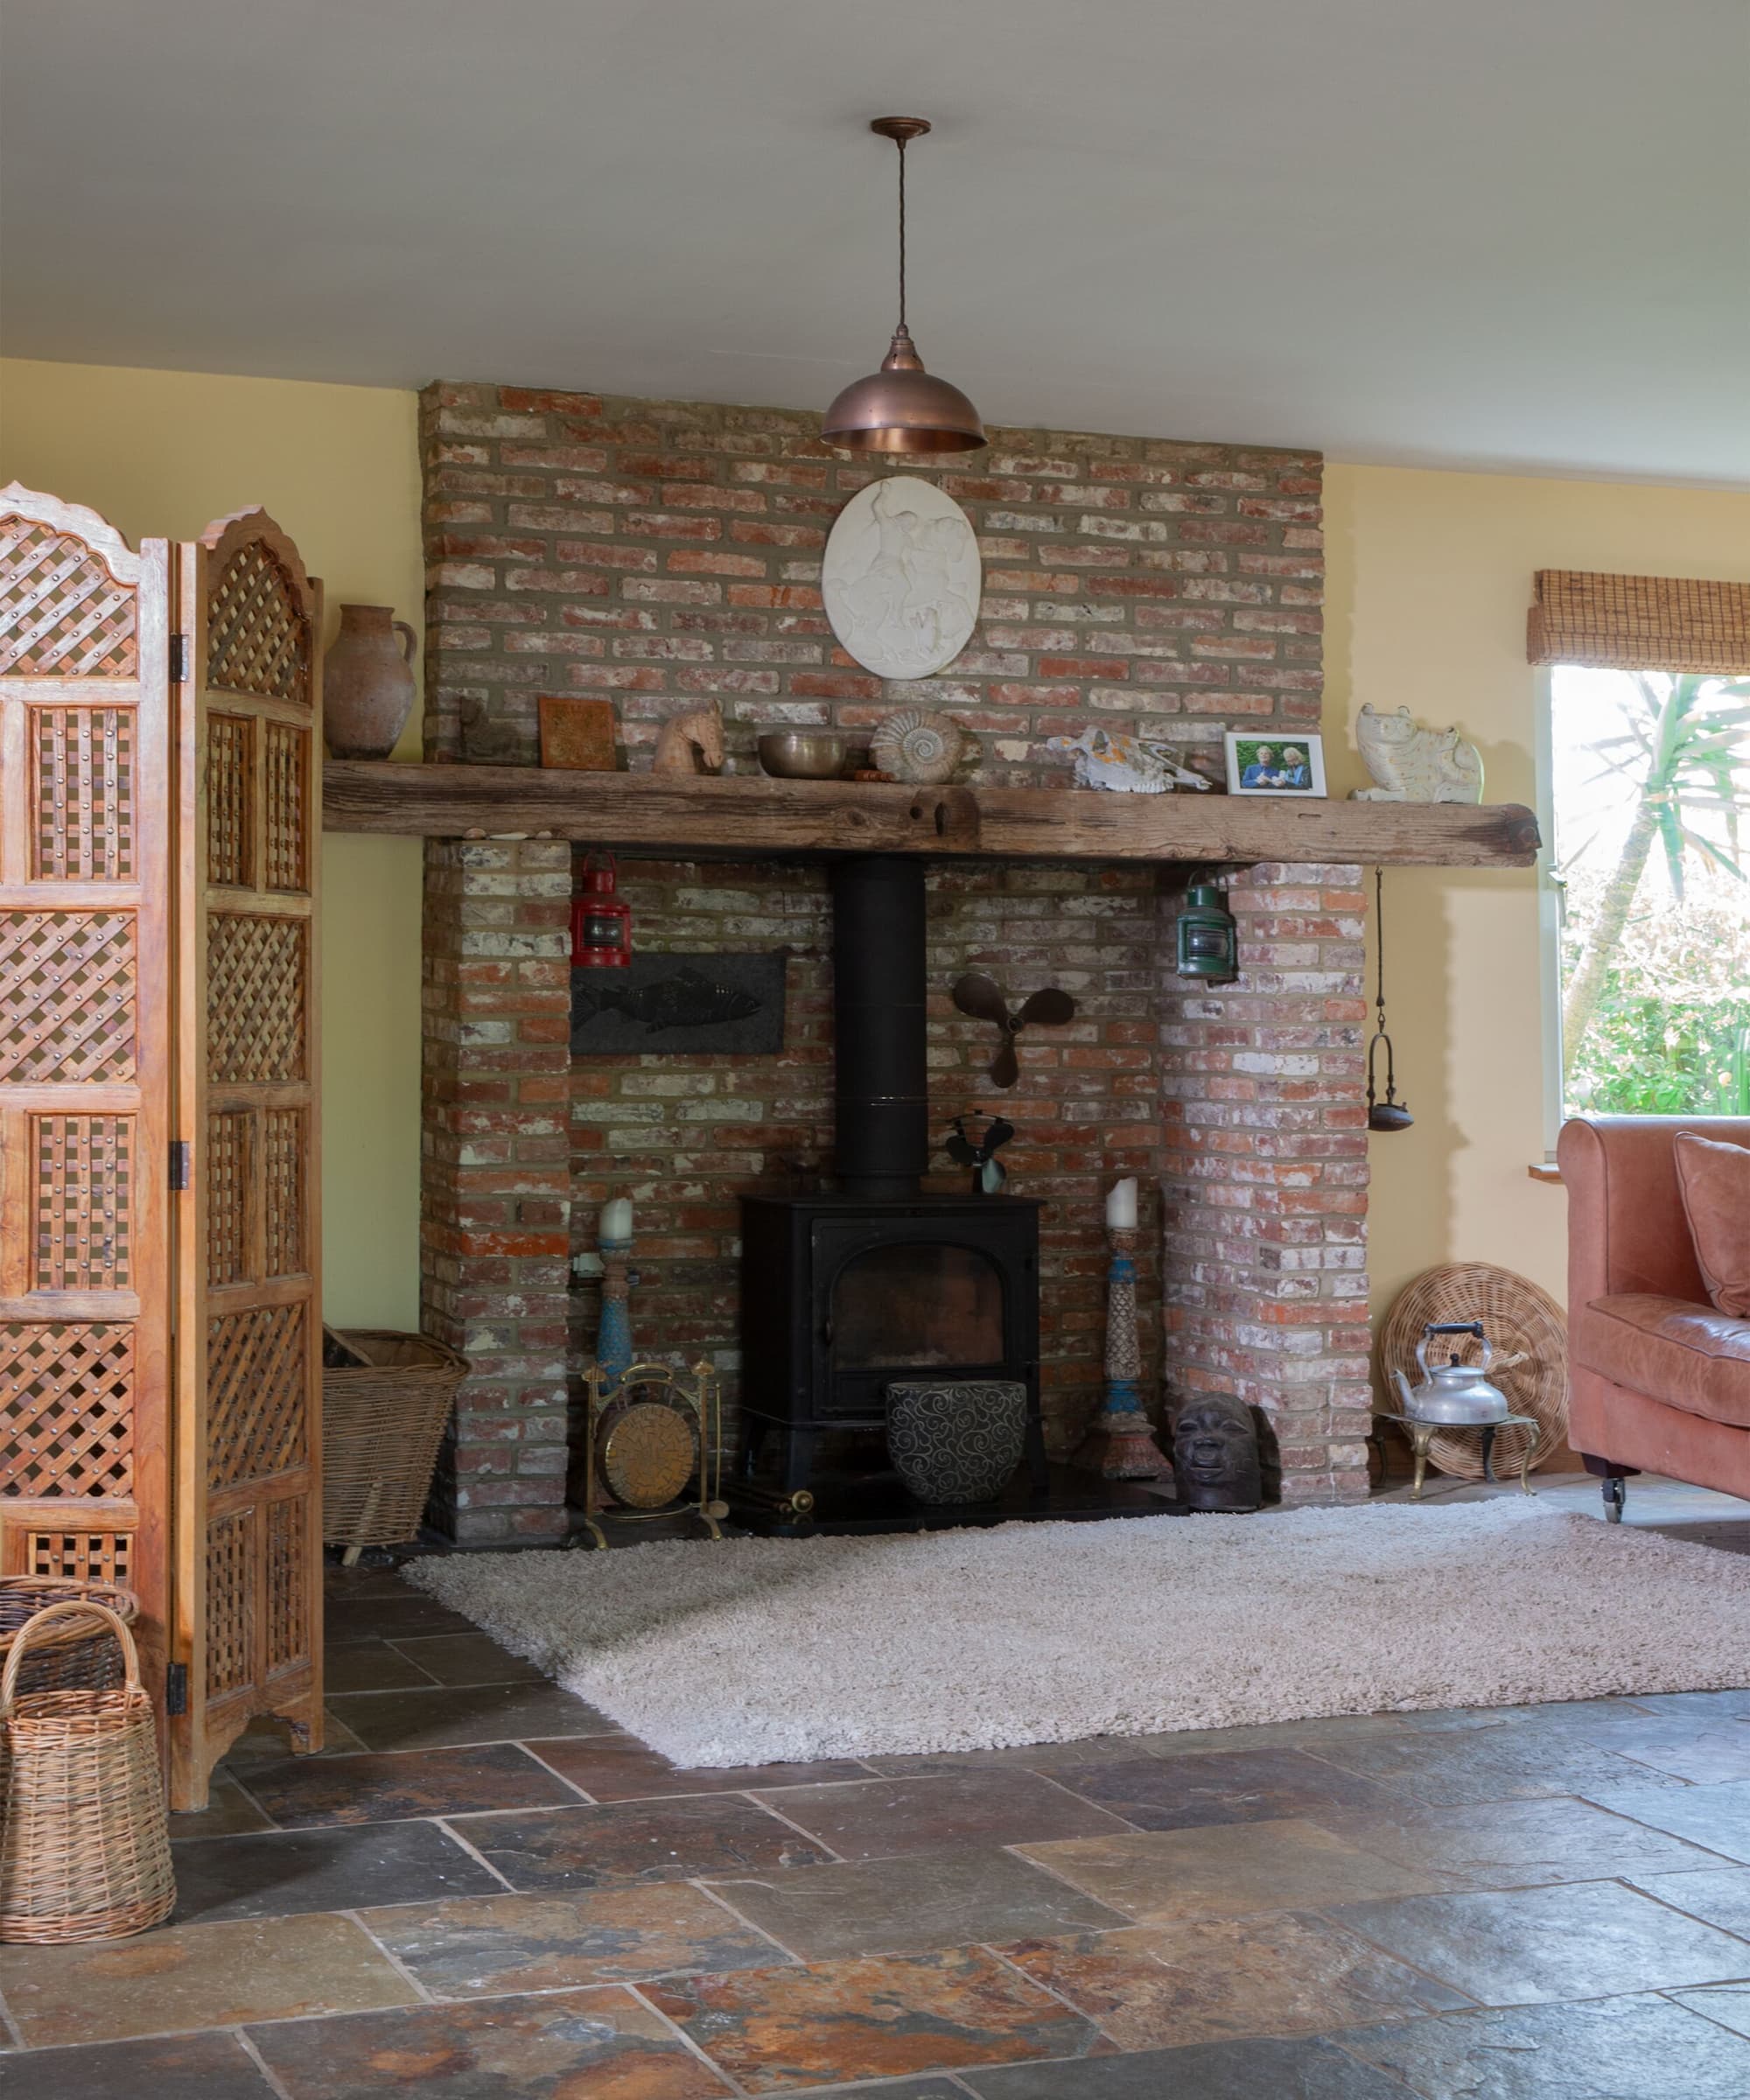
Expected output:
(882, 1072)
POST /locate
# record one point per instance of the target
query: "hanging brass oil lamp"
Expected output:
(1389, 1114)
(902, 409)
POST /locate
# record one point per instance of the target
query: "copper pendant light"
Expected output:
(902, 408)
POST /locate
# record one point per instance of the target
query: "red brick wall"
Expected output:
(657, 552)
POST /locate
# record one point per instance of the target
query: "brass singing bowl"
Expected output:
(803, 754)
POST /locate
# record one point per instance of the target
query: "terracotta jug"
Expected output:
(368, 682)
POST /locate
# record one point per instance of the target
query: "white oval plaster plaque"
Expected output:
(902, 578)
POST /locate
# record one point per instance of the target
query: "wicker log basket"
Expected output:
(84, 1845)
(78, 1655)
(386, 1401)
(1529, 1335)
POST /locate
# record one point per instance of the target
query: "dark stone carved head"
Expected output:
(1215, 1454)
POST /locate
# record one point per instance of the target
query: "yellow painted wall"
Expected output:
(1430, 577)
(163, 453)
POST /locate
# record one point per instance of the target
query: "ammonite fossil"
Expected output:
(921, 749)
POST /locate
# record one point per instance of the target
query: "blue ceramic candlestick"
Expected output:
(613, 1336)
(1121, 1445)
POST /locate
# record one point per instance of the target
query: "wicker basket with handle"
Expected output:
(386, 1401)
(84, 1844)
(75, 1657)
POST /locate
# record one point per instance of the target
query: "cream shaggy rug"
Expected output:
(749, 1651)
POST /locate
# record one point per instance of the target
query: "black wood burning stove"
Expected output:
(843, 1292)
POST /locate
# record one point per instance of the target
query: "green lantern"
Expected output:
(1208, 939)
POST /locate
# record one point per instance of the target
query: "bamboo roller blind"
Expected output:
(1639, 623)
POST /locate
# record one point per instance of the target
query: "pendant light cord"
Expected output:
(902, 143)
(1379, 946)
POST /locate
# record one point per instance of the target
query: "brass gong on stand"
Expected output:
(652, 1447)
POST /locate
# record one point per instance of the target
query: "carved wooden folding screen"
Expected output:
(85, 1050)
(249, 1344)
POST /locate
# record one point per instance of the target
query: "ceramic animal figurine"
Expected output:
(691, 743)
(1128, 765)
(921, 749)
(1413, 763)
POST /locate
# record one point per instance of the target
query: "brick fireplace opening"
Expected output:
(654, 552)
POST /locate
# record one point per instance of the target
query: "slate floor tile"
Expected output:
(370, 1786)
(481, 1945)
(1715, 1818)
(1223, 1786)
(368, 1666)
(1227, 1870)
(185, 1977)
(876, 1818)
(566, 2045)
(688, 1837)
(1718, 1896)
(1219, 2070)
(268, 1742)
(620, 1767)
(914, 1903)
(906, 2089)
(1700, 1753)
(1489, 1764)
(777, 2030)
(277, 1873)
(1616, 2048)
(1515, 1844)
(229, 1811)
(1221, 1979)
(1728, 2004)
(442, 1716)
(1272, 1735)
(471, 1658)
(1697, 1706)
(1588, 1939)
(384, 1618)
(180, 2067)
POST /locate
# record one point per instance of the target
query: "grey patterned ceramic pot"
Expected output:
(957, 1439)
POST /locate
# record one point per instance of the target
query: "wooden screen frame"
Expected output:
(82, 1530)
(226, 828)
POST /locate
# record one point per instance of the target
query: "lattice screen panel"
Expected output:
(230, 800)
(230, 1603)
(287, 1578)
(283, 1193)
(288, 804)
(230, 1196)
(84, 1177)
(67, 1409)
(257, 636)
(62, 614)
(83, 777)
(255, 990)
(80, 1556)
(66, 996)
(256, 1374)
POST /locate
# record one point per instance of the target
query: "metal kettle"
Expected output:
(1453, 1392)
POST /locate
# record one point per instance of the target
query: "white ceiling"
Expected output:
(1490, 232)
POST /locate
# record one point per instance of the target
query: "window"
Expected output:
(1650, 791)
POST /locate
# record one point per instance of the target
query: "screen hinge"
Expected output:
(179, 660)
(176, 1688)
(179, 1162)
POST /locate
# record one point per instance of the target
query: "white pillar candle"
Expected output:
(1121, 1205)
(614, 1225)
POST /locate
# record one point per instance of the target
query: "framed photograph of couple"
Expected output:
(1273, 764)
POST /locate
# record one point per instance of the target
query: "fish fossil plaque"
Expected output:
(669, 1004)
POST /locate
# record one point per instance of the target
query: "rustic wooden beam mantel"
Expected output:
(750, 814)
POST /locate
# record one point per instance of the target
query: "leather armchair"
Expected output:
(1660, 1380)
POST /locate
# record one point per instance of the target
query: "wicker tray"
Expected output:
(1529, 1337)
(386, 1401)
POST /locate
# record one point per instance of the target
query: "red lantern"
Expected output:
(601, 920)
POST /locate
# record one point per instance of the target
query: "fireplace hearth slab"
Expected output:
(852, 1505)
